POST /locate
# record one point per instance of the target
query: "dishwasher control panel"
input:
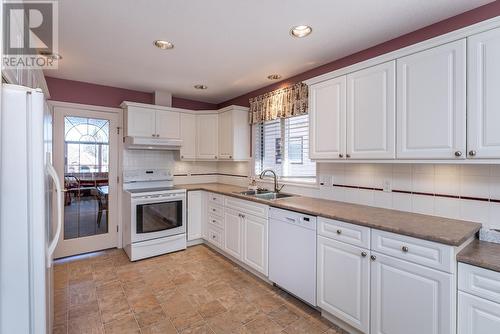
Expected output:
(292, 217)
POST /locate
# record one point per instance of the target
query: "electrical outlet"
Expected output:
(324, 180)
(386, 186)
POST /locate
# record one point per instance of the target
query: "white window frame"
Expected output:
(306, 182)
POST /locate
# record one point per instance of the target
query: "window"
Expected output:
(86, 144)
(283, 145)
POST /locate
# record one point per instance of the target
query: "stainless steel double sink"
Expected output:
(264, 194)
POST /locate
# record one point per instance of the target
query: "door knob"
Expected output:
(404, 249)
(347, 156)
(339, 231)
(341, 155)
(458, 153)
(364, 254)
(373, 257)
(472, 153)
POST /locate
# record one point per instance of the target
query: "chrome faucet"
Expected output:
(277, 188)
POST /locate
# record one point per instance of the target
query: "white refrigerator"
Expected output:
(28, 234)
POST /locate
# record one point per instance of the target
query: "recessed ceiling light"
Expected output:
(200, 86)
(274, 77)
(300, 31)
(164, 45)
(51, 55)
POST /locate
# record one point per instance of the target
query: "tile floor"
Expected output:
(193, 291)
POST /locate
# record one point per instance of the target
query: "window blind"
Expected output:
(283, 145)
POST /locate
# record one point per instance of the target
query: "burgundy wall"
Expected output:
(456, 22)
(87, 93)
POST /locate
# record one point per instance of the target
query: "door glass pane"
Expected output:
(159, 216)
(86, 149)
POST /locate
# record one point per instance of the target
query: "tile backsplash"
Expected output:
(469, 192)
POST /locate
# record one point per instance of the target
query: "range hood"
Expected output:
(145, 143)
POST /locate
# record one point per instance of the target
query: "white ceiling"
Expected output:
(229, 45)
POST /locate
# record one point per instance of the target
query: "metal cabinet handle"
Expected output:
(347, 156)
(404, 249)
(153, 135)
(341, 155)
(214, 210)
(472, 153)
(213, 221)
(364, 254)
(182, 157)
(215, 157)
(373, 257)
(339, 231)
(458, 153)
(230, 157)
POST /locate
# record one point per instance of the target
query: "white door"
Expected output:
(483, 112)
(168, 124)
(141, 122)
(207, 139)
(225, 135)
(411, 299)
(233, 222)
(86, 157)
(188, 136)
(344, 282)
(431, 103)
(327, 123)
(194, 215)
(255, 236)
(477, 315)
(371, 112)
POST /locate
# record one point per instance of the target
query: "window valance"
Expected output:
(281, 103)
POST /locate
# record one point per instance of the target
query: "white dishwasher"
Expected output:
(292, 253)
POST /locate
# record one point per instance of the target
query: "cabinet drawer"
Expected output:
(215, 198)
(216, 220)
(216, 210)
(479, 282)
(426, 253)
(349, 233)
(215, 236)
(249, 207)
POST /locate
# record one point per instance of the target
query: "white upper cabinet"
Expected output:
(431, 103)
(483, 113)
(142, 120)
(371, 112)
(234, 134)
(168, 124)
(327, 119)
(188, 136)
(207, 140)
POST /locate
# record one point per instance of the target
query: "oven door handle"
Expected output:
(140, 201)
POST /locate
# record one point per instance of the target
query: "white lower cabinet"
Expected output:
(477, 315)
(344, 282)
(194, 215)
(409, 298)
(232, 232)
(255, 237)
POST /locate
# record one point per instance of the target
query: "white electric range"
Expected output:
(154, 214)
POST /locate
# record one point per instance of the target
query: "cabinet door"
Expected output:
(188, 136)
(431, 103)
(141, 122)
(225, 135)
(207, 140)
(371, 112)
(483, 113)
(411, 299)
(255, 234)
(233, 222)
(477, 315)
(327, 112)
(168, 124)
(344, 282)
(194, 215)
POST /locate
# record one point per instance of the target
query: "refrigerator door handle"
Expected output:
(52, 172)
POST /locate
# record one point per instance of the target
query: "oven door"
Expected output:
(158, 218)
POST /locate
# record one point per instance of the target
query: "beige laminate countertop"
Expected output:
(443, 230)
(481, 254)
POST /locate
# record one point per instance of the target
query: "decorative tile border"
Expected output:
(409, 192)
(212, 174)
